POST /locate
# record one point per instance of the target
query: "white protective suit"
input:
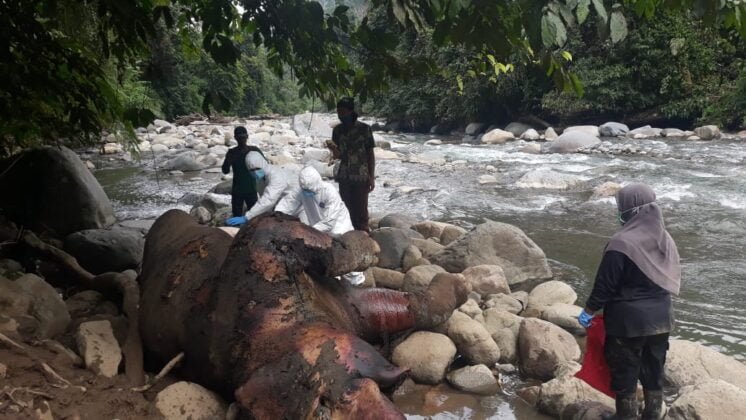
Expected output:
(279, 183)
(324, 211)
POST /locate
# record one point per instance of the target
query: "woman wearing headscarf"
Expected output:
(639, 272)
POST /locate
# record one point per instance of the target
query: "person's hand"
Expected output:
(236, 221)
(371, 184)
(585, 319)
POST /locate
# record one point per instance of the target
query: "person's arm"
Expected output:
(370, 145)
(276, 184)
(291, 204)
(227, 162)
(609, 279)
(333, 144)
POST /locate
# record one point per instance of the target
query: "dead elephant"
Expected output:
(261, 316)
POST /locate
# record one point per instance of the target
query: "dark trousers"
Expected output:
(355, 197)
(630, 359)
(238, 200)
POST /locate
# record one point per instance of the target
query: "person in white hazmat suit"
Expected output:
(279, 182)
(318, 204)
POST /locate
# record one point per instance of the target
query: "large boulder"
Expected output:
(531, 135)
(560, 393)
(613, 129)
(472, 339)
(186, 162)
(314, 124)
(688, 363)
(644, 132)
(475, 379)
(47, 307)
(320, 155)
(393, 243)
(101, 250)
(475, 128)
(714, 399)
(396, 220)
(497, 136)
(564, 315)
(99, 348)
(428, 247)
(426, 354)
(504, 328)
(543, 346)
(503, 302)
(418, 278)
(518, 128)
(571, 142)
(323, 168)
(589, 129)
(707, 132)
(429, 228)
(495, 243)
(673, 132)
(187, 400)
(52, 189)
(487, 279)
(549, 293)
(548, 179)
(388, 278)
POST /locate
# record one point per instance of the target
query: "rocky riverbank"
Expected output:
(519, 316)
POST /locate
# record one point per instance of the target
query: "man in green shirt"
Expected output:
(352, 143)
(244, 185)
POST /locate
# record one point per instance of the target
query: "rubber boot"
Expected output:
(626, 407)
(653, 405)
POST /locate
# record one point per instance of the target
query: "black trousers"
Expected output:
(355, 197)
(238, 200)
(630, 359)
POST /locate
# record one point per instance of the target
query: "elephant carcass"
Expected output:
(262, 317)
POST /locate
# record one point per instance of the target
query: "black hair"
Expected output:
(346, 103)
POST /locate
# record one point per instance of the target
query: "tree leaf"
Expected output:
(618, 26)
(582, 10)
(601, 10)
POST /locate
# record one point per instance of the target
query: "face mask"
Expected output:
(347, 119)
(258, 174)
(308, 193)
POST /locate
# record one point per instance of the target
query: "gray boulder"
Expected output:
(549, 293)
(487, 279)
(548, 179)
(495, 243)
(224, 188)
(688, 363)
(504, 328)
(565, 316)
(475, 379)
(613, 129)
(397, 220)
(518, 128)
(497, 136)
(707, 132)
(186, 162)
(472, 339)
(673, 132)
(314, 124)
(475, 128)
(451, 233)
(101, 250)
(550, 134)
(471, 308)
(589, 129)
(428, 247)
(320, 155)
(418, 278)
(426, 354)
(558, 394)
(388, 278)
(644, 132)
(531, 135)
(503, 302)
(393, 243)
(51, 189)
(99, 348)
(714, 399)
(47, 307)
(543, 346)
(571, 142)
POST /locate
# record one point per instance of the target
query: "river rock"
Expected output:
(607, 189)
(8, 266)
(50, 188)
(471, 308)
(673, 132)
(426, 354)
(644, 132)
(99, 348)
(451, 233)
(388, 278)
(707, 132)
(503, 302)
(550, 134)
(429, 158)
(613, 129)
(111, 149)
(411, 258)
(14, 301)
(495, 243)
(321, 155)
(504, 328)
(571, 142)
(475, 128)
(323, 168)
(434, 142)
(549, 293)
(187, 400)
(714, 399)
(588, 129)
(497, 136)
(201, 214)
(688, 363)
(393, 243)
(475, 379)
(548, 179)
(565, 316)
(170, 142)
(531, 149)
(89, 303)
(47, 307)
(397, 220)
(159, 148)
(224, 188)
(429, 229)
(542, 346)
(558, 394)
(472, 339)
(186, 162)
(428, 247)
(315, 124)
(487, 279)
(487, 179)
(102, 250)
(741, 134)
(386, 154)
(418, 278)
(518, 128)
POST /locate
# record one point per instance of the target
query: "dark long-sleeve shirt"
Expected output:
(634, 306)
(243, 182)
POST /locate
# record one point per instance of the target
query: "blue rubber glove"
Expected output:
(236, 221)
(585, 319)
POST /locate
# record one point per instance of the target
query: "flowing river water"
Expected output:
(701, 187)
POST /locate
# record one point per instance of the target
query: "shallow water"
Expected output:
(701, 187)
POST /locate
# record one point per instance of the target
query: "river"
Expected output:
(701, 188)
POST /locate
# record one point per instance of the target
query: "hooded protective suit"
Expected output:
(319, 205)
(279, 182)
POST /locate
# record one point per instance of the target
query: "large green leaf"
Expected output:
(601, 10)
(553, 31)
(618, 26)
(582, 10)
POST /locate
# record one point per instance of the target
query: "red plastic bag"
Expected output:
(595, 371)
